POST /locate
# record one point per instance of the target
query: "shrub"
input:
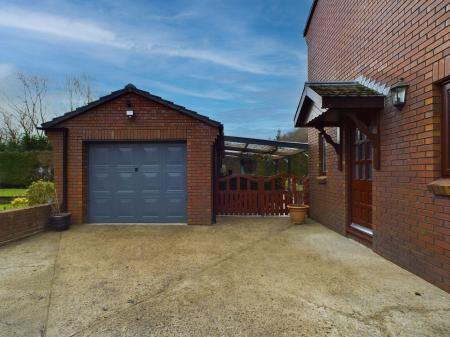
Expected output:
(19, 202)
(19, 169)
(26, 143)
(35, 143)
(41, 192)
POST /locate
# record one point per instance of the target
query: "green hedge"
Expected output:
(19, 169)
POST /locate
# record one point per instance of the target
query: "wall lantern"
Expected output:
(129, 112)
(399, 93)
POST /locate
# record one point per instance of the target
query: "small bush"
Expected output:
(19, 202)
(41, 192)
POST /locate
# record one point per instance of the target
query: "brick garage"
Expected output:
(380, 42)
(155, 121)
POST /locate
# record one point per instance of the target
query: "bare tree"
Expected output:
(78, 89)
(9, 129)
(24, 113)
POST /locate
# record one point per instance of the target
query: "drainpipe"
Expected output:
(65, 132)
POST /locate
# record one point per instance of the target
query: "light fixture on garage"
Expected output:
(130, 112)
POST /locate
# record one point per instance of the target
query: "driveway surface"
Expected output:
(242, 277)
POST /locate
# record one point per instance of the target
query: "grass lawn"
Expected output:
(5, 207)
(13, 192)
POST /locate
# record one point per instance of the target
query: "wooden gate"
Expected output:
(254, 195)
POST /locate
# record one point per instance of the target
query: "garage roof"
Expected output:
(127, 89)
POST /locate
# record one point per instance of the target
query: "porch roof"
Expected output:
(238, 146)
(321, 102)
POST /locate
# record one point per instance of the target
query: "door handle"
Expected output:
(136, 169)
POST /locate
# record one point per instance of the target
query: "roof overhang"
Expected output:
(322, 103)
(310, 15)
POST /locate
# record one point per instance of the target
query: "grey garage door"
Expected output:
(137, 182)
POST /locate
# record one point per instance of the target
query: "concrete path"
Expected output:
(243, 277)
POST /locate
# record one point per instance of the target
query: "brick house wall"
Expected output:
(384, 41)
(328, 199)
(153, 122)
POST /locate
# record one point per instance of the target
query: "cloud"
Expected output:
(179, 16)
(62, 27)
(83, 31)
(6, 70)
(211, 94)
(210, 56)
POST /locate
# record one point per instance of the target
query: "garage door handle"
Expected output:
(136, 169)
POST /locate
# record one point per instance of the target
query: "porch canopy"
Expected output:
(323, 103)
(330, 104)
(238, 146)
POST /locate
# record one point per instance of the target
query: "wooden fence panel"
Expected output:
(254, 195)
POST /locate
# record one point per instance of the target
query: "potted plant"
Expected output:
(298, 212)
(59, 221)
(43, 192)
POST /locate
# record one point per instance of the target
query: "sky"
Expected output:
(242, 63)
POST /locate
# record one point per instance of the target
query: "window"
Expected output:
(322, 156)
(362, 157)
(446, 131)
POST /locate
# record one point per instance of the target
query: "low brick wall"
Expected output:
(19, 223)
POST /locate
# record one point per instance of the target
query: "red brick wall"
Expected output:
(153, 122)
(327, 198)
(384, 41)
(20, 223)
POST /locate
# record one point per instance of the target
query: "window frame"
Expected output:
(445, 157)
(322, 156)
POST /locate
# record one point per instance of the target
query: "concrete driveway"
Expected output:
(243, 277)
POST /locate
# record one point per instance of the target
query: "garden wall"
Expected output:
(19, 223)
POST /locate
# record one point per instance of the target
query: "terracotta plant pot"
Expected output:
(298, 213)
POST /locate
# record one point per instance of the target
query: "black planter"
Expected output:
(60, 222)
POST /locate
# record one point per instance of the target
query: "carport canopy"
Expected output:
(275, 149)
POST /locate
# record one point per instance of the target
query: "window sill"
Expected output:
(321, 179)
(440, 187)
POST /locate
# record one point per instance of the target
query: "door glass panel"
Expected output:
(363, 171)
(356, 171)
(369, 171)
(369, 151)
(356, 152)
(363, 149)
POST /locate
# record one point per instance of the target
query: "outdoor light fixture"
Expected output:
(130, 112)
(399, 93)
